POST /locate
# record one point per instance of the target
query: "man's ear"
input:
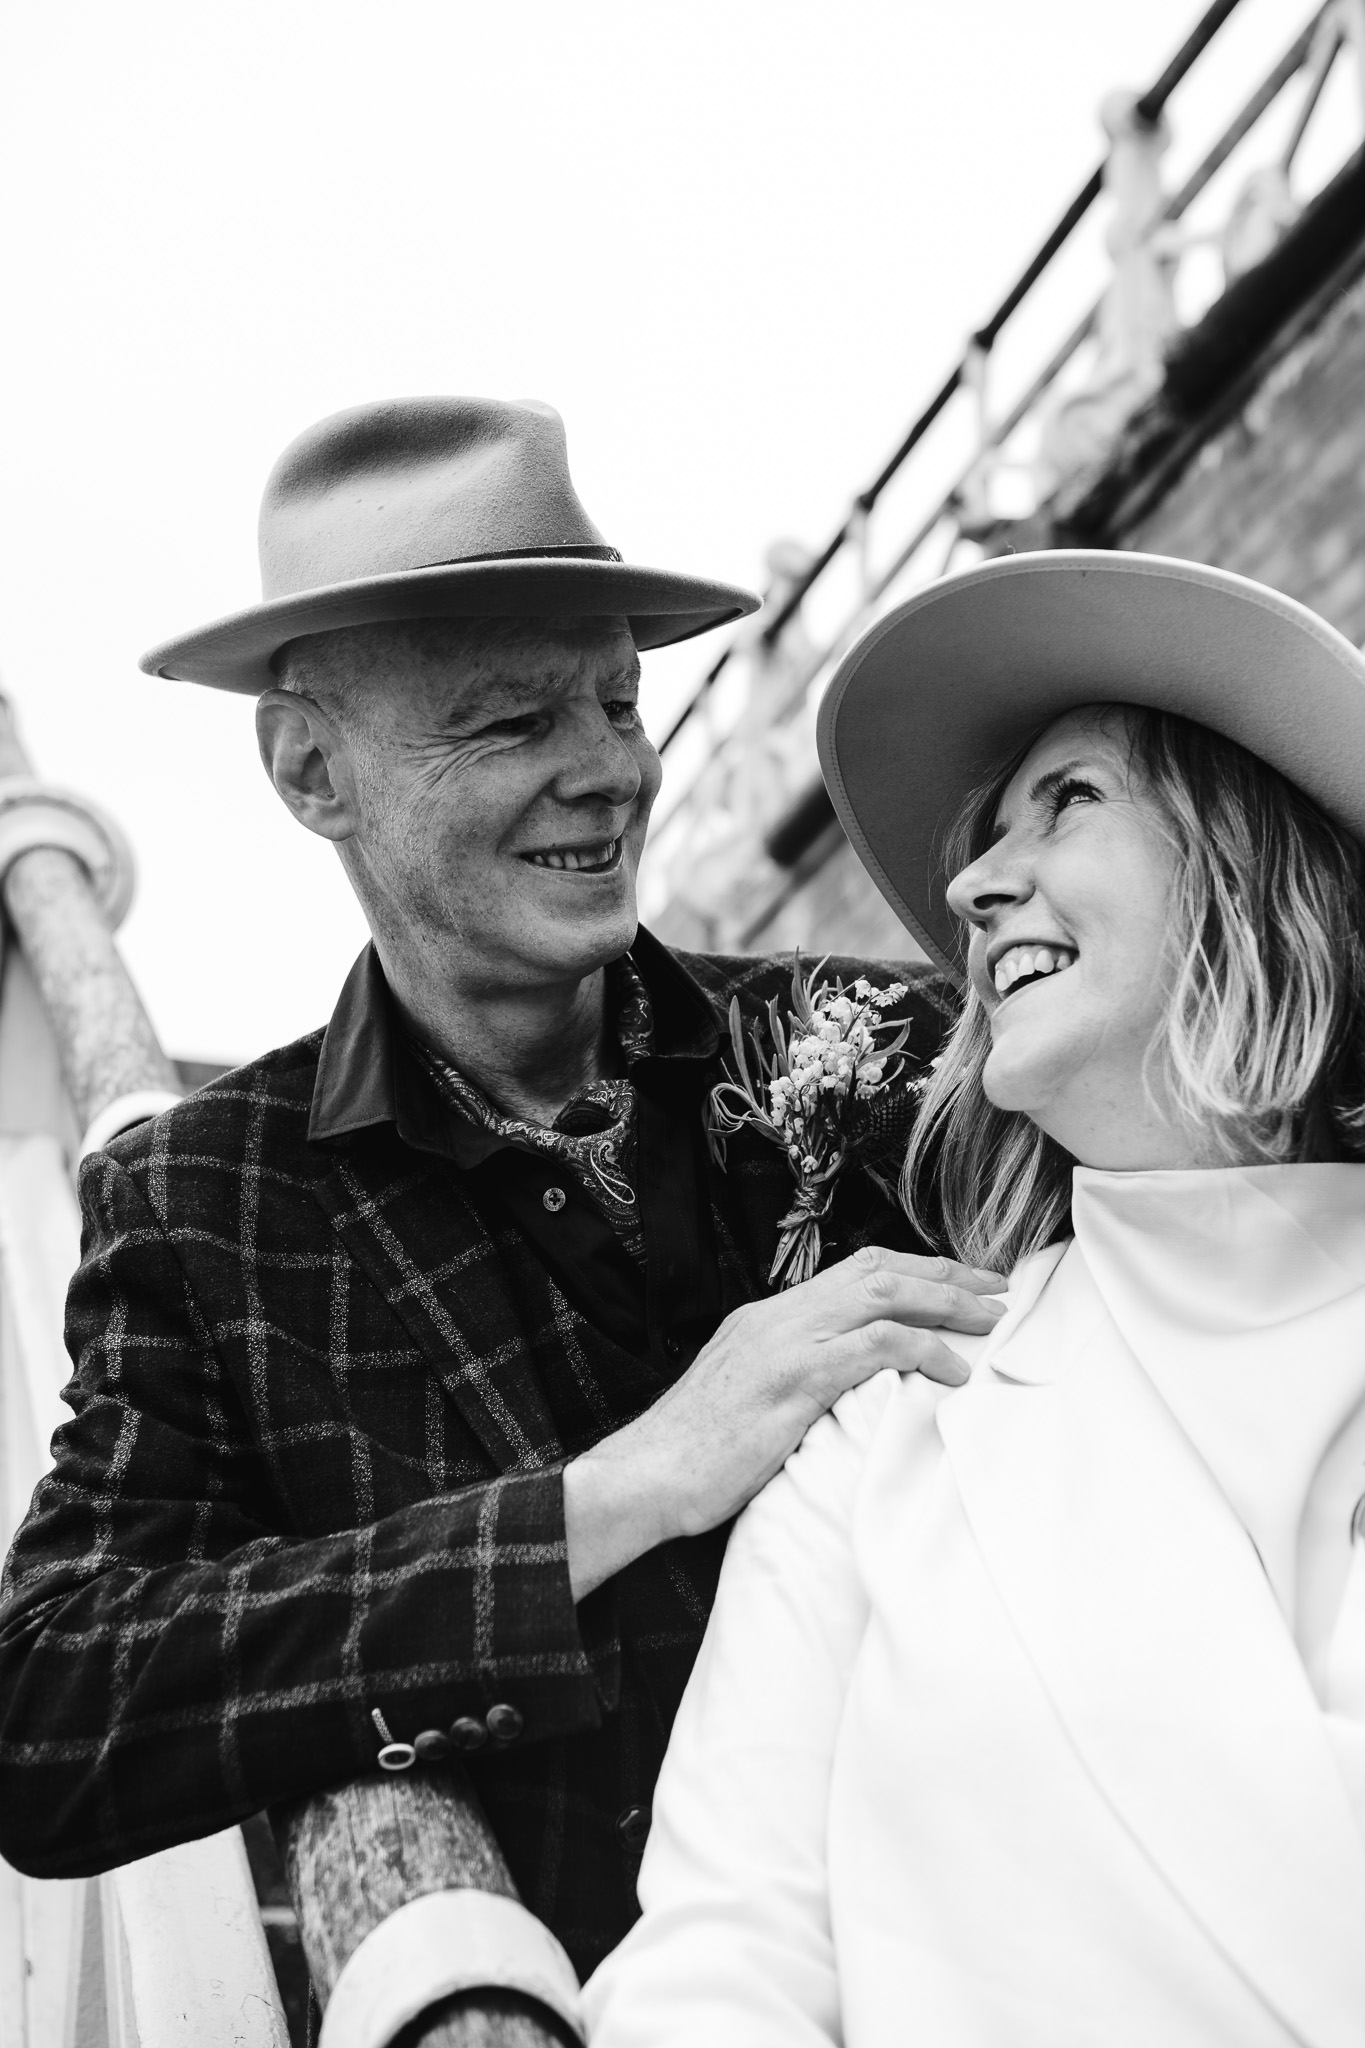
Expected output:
(308, 762)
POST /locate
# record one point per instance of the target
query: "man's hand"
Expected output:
(750, 1395)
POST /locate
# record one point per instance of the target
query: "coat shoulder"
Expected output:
(260, 1107)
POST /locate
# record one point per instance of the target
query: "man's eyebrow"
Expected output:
(498, 695)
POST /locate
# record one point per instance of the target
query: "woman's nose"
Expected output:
(992, 882)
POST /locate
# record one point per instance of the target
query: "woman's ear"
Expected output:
(309, 763)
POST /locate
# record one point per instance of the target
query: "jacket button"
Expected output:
(554, 1200)
(504, 1723)
(468, 1733)
(632, 1828)
(431, 1745)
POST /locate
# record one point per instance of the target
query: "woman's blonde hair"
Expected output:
(1263, 1045)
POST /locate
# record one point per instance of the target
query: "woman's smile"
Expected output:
(1072, 897)
(1022, 965)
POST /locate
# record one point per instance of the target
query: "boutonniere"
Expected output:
(802, 1085)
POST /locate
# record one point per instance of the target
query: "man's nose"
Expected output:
(994, 881)
(597, 761)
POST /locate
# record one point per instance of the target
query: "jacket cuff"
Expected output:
(528, 1675)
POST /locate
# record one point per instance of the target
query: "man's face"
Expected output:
(500, 801)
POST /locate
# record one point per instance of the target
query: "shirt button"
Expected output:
(431, 1745)
(468, 1733)
(554, 1200)
(632, 1828)
(672, 1348)
(504, 1723)
(397, 1756)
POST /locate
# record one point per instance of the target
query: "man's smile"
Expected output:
(601, 857)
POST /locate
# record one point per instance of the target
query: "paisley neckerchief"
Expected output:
(595, 1134)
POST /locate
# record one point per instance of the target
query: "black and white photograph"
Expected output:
(682, 1025)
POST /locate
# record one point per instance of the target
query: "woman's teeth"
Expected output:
(577, 857)
(1026, 963)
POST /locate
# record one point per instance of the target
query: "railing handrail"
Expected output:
(1147, 109)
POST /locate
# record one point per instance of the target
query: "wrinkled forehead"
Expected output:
(391, 672)
(1098, 733)
(539, 663)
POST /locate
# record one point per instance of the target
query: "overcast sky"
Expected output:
(735, 242)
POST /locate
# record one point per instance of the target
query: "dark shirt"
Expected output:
(662, 1311)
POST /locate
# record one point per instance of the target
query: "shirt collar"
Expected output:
(365, 1077)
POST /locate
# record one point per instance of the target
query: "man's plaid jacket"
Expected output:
(312, 1474)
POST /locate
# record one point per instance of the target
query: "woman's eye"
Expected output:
(1073, 791)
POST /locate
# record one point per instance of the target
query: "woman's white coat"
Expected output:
(1007, 1711)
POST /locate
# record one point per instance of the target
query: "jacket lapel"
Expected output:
(434, 1261)
(1144, 1609)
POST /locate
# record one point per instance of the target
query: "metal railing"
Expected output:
(1129, 341)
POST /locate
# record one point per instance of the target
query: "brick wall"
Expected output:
(1279, 493)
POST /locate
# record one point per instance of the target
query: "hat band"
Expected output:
(586, 554)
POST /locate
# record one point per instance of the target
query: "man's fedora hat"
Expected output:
(936, 696)
(425, 508)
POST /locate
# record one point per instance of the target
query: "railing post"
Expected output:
(185, 1924)
(357, 1860)
(67, 878)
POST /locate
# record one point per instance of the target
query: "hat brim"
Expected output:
(938, 695)
(235, 653)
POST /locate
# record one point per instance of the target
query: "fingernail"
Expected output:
(985, 1273)
(993, 1308)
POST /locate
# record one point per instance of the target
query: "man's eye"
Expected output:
(622, 710)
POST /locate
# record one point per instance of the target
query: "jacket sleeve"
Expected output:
(734, 1947)
(171, 1662)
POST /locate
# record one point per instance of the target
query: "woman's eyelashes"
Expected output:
(1070, 791)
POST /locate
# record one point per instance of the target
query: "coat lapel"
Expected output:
(1146, 1614)
(432, 1258)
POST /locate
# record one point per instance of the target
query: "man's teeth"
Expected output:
(577, 857)
(1024, 962)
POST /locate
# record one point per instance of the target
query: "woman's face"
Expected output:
(1069, 911)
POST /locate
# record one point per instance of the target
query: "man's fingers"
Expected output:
(938, 1361)
(924, 1306)
(916, 1266)
(881, 1294)
(876, 1346)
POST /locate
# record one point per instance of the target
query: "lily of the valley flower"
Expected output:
(822, 1062)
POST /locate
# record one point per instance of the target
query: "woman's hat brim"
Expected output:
(937, 695)
(235, 653)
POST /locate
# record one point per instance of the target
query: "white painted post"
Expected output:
(169, 1953)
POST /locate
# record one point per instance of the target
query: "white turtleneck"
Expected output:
(1241, 1292)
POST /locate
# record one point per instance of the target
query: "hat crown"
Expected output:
(413, 482)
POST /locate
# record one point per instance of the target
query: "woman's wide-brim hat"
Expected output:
(939, 694)
(433, 508)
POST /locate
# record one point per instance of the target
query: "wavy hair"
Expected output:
(1262, 1047)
